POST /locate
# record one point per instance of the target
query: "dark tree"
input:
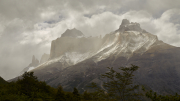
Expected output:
(76, 95)
(60, 96)
(28, 84)
(120, 84)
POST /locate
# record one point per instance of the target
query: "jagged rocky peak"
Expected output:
(32, 65)
(127, 26)
(33, 59)
(72, 33)
(125, 22)
(44, 58)
(34, 62)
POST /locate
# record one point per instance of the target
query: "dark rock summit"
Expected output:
(127, 26)
(125, 22)
(34, 62)
(72, 33)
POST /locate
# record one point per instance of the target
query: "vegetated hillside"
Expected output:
(2, 81)
(78, 61)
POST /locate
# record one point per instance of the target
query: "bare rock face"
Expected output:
(72, 33)
(44, 58)
(124, 22)
(71, 41)
(34, 62)
(127, 26)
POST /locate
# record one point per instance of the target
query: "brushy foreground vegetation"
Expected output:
(118, 86)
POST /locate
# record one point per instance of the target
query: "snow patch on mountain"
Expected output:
(125, 44)
(75, 57)
(30, 68)
(71, 58)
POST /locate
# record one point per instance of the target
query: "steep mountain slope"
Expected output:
(77, 61)
(2, 81)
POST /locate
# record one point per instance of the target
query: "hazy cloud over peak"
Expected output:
(27, 27)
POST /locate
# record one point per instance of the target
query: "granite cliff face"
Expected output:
(76, 44)
(127, 26)
(44, 58)
(35, 62)
(72, 33)
(77, 61)
(32, 65)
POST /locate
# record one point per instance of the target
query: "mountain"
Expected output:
(44, 58)
(77, 61)
(69, 45)
(2, 81)
(32, 65)
(72, 33)
(35, 62)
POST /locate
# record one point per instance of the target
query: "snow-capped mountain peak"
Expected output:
(124, 42)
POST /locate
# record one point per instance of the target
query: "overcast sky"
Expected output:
(27, 27)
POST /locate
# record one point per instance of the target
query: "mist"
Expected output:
(28, 27)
